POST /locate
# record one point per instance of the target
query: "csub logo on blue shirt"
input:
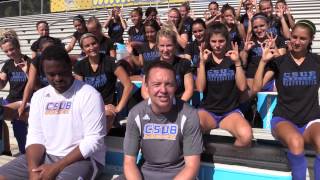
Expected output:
(160, 131)
(96, 81)
(151, 55)
(220, 75)
(305, 78)
(18, 77)
(61, 107)
(139, 37)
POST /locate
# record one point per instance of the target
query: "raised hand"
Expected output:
(248, 44)
(267, 52)
(129, 47)
(204, 53)
(272, 43)
(234, 53)
(250, 14)
(272, 40)
(280, 12)
(207, 15)
(3, 76)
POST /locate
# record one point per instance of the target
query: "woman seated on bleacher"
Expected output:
(36, 76)
(105, 43)
(175, 21)
(282, 8)
(277, 23)
(187, 19)
(221, 78)
(252, 51)
(249, 7)
(136, 32)
(147, 52)
(213, 14)
(101, 72)
(15, 71)
(235, 28)
(115, 24)
(43, 31)
(296, 117)
(152, 14)
(192, 51)
(80, 25)
(167, 45)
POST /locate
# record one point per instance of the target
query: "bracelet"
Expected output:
(239, 66)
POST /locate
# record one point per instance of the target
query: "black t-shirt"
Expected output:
(275, 26)
(103, 79)
(35, 45)
(149, 55)
(179, 49)
(192, 49)
(244, 19)
(255, 54)
(297, 88)
(17, 79)
(77, 35)
(187, 22)
(137, 35)
(221, 93)
(115, 32)
(235, 36)
(36, 62)
(106, 45)
(182, 67)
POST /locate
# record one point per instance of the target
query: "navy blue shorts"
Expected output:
(218, 117)
(275, 120)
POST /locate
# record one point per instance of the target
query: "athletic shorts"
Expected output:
(81, 170)
(275, 120)
(218, 117)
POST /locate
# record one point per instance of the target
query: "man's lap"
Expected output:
(17, 169)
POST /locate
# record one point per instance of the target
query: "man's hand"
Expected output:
(34, 176)
(47, 171)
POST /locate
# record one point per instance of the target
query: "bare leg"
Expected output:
(239, 127)
(6, 139)
(207, 122)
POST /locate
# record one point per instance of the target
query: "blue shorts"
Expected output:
(218, 117)
(275, 120)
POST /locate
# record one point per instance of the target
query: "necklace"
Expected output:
(298, 60)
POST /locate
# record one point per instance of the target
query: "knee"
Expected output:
(296, 144)
(206, 122)
(244, 136)
(316, 143)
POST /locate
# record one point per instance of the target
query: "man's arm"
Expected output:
(130, 168)
(131, 146)
(192, 145)
(35, 148)
(34, 154)
(191, 167)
